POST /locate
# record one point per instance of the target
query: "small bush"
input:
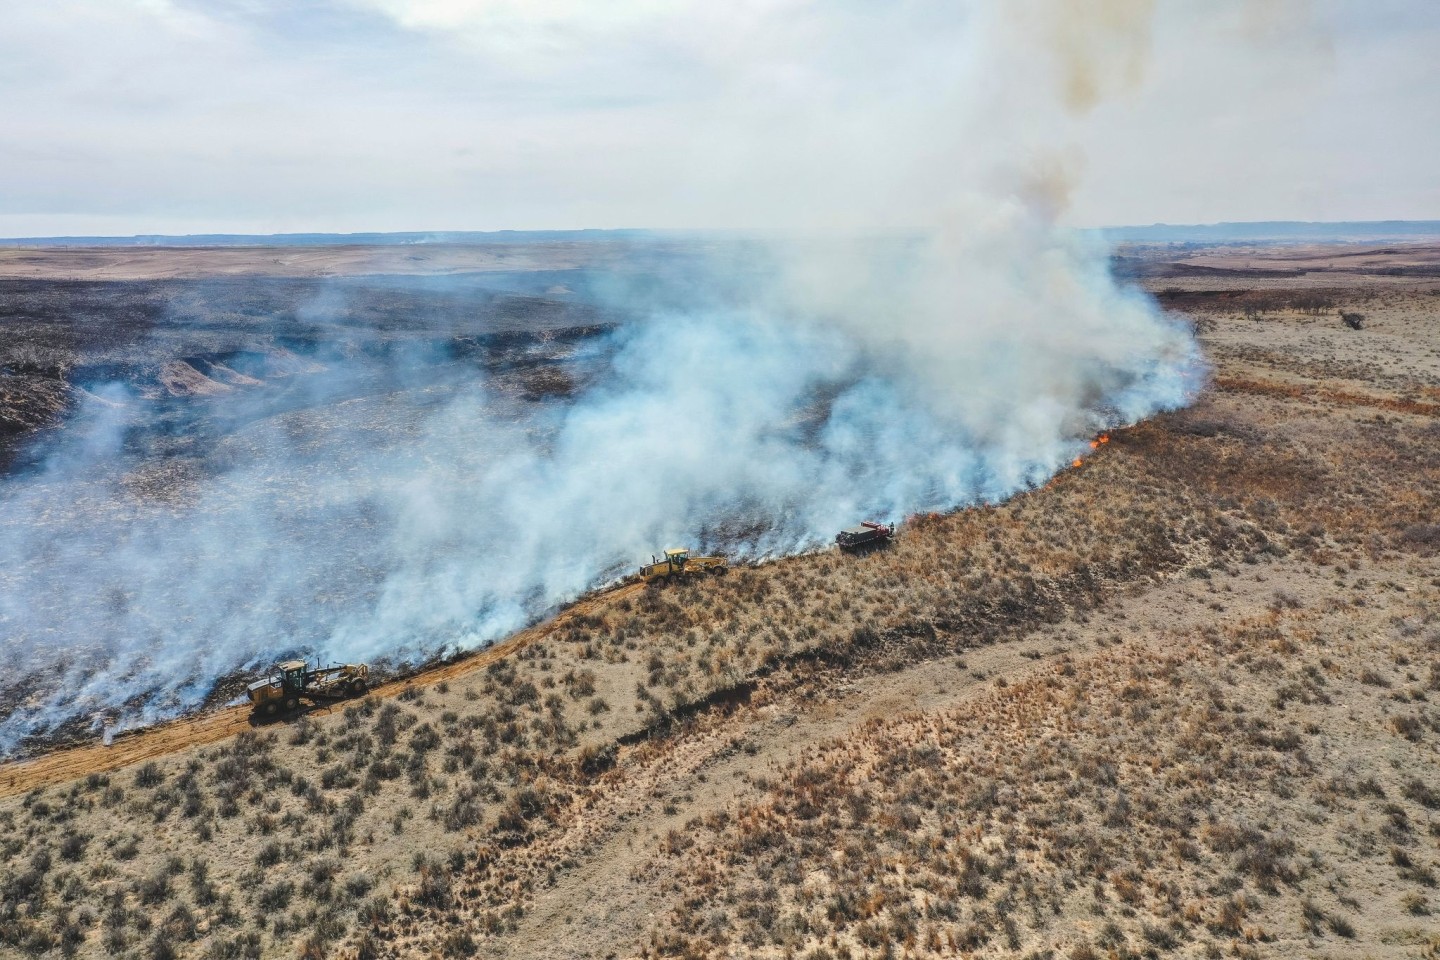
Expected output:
(72, 848)
(1421, 793)
(434, 890)
(276, 896)
(149, 776)
(458, 943)
(269, 854)
(374, 912)
(154, 888)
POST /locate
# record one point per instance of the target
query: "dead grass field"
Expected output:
(1178, 701)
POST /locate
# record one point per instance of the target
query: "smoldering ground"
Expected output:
(358, 496)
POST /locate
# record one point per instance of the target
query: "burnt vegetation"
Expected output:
(197, 348)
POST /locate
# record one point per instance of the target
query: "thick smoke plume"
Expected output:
(756, 401)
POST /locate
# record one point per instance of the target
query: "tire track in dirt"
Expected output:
(149, 743)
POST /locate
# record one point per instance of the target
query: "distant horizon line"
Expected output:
(1153, 232)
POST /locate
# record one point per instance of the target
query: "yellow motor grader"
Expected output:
(294, 680)
(678, 564)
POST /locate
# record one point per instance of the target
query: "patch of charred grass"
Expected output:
(1137, 802)
(1255, 302)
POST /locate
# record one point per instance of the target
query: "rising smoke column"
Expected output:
(964, 355)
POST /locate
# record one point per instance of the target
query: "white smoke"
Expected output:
(816, 381)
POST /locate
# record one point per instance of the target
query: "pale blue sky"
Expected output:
(134, 116)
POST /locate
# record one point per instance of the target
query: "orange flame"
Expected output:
(1076, 463)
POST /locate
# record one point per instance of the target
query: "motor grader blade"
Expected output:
(677, 564)
(294, 682)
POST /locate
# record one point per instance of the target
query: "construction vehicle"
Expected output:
(294, 680)
(678, 564)
(868, 534)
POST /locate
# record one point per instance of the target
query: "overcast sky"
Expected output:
(182, 116)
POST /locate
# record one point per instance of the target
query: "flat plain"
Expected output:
(1175, 702)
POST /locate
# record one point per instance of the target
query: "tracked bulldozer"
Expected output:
(677, 564)
(294, 681)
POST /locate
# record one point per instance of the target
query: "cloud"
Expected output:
(382, 114)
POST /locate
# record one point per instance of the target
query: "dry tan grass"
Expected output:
(1199, 794)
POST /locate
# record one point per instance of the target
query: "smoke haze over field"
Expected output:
(927, 338)
(441, 510)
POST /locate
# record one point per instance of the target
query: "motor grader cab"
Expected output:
(294, 680)
(678, 563)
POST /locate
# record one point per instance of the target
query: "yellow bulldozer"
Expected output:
(678, 564)
(295, 680)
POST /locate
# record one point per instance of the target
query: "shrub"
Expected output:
(596, 758)
(1341, 927)
(434, 890)
(1422, 535)
(180, 925)
(269, 854)
(276, 896)
(72, 848)
(424, 739)
(245, 946)
(458, 943)
(1421, 793)
(1159, 937)
(367, 947)
(149, 775)
(154, 888)
(1408, 727)
(464, 811)
(374, 912)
